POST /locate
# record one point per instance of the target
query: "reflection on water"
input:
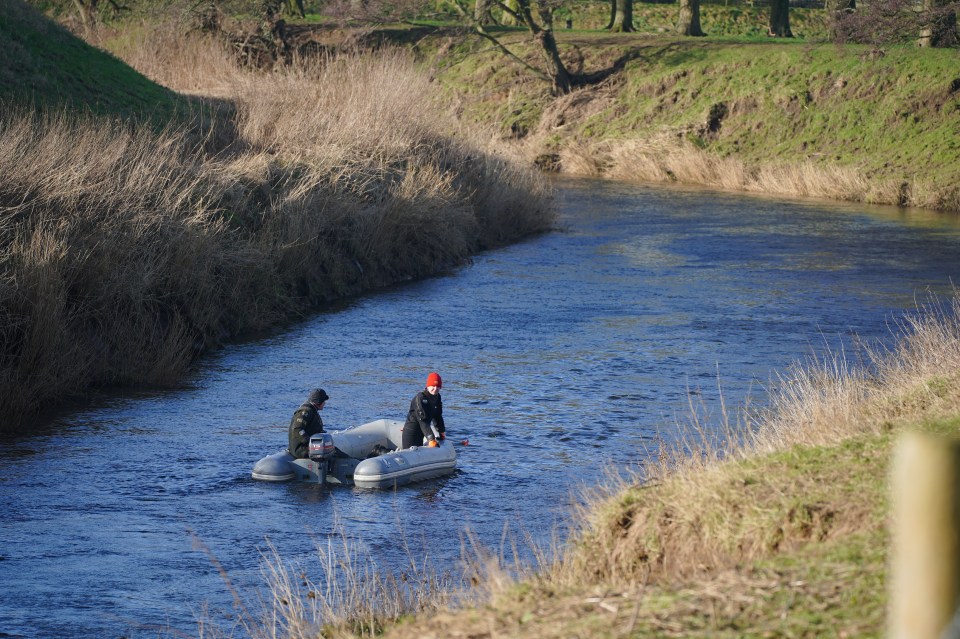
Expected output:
(562, 357)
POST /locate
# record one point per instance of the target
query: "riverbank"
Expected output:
(142, 228)
(738, 111)
(796, 118)
(783, 530)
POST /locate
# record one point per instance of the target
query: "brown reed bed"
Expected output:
(667, 159)
(126, 253)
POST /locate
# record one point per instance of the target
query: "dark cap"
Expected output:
(318, 396)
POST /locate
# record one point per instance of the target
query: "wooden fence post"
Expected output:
(925, 566)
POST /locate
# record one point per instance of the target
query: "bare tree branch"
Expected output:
(479, 28)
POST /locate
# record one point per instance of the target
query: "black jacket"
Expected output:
(425, 408)
(306, 422)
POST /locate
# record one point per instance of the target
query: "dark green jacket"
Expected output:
(306, 422)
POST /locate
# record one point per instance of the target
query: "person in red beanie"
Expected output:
(426, 410)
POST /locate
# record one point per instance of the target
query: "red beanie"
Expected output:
(433, 379)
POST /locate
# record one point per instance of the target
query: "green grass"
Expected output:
(890, 115)
(801, 102)
(42, 64)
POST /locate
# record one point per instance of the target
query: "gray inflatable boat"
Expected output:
(368, 456)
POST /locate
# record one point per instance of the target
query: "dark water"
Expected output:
(561, 357)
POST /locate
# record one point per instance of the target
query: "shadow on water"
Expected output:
(562, 357)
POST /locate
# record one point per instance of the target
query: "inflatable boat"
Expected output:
(368, 456)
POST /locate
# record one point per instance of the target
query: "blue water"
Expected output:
(562, 357)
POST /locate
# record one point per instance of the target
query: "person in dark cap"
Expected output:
(426, 410)
(306, 422)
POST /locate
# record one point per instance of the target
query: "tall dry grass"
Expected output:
(667, 158)
(125, 253)
(835, 399)
(109, 257)
(340, 592)
(699, 506)
(165, 50)
(352, 595)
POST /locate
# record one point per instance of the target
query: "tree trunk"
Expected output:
(556, 72)
(555, 67)
(623, 17)
(613, 15)
(780, 19)
(296, 6)
(689, 24)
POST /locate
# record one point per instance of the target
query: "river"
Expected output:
(563, 357)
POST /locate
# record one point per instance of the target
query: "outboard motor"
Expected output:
(320, 450)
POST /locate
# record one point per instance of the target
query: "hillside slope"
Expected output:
(42, 64)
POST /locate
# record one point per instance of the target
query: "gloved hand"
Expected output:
(443, 436)
(433, 444)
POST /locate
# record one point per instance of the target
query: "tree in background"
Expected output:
(541, 28)
(621, 16)
(689, 24)
(780, 19)
(296, 7)
(280, 7)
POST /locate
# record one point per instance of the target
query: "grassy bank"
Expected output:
(42, 65)
(794, 118)
(125, 251)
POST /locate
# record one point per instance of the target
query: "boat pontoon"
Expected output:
(369, 456)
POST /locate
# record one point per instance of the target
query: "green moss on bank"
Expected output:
(889, 116)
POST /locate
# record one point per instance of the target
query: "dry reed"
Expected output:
(125, 253)
(353, 595)
(667, 158)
